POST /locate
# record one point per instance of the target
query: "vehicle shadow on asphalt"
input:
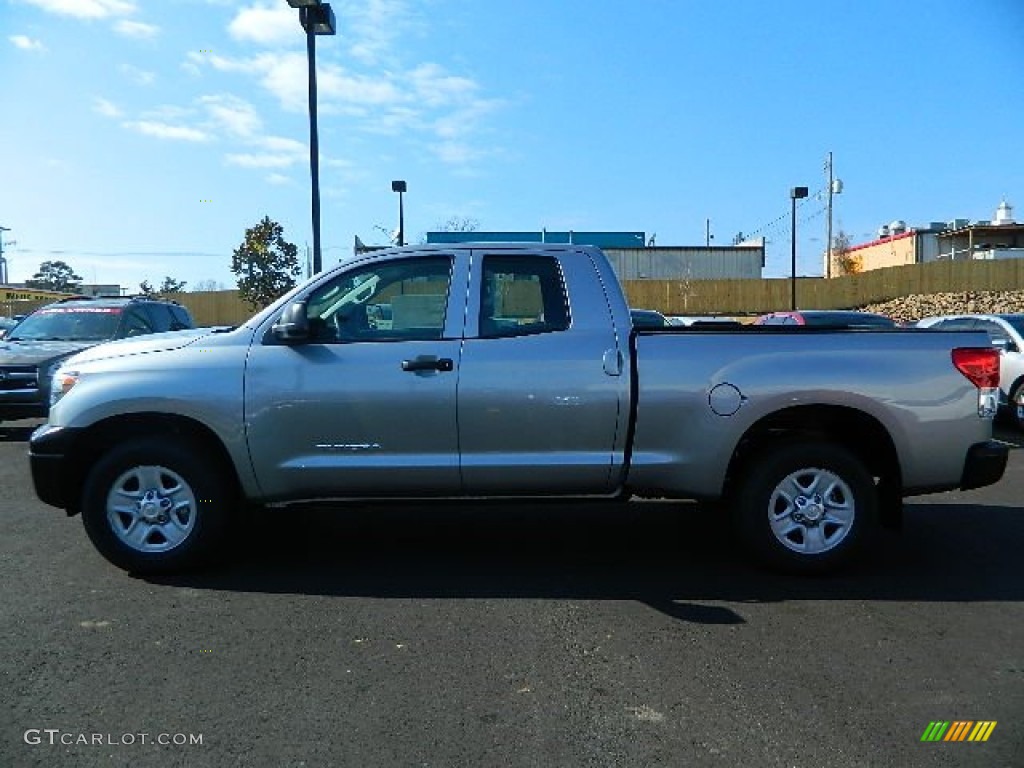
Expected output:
(17, 434)
(672, 556)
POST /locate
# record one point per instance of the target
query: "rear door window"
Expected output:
(521, 296)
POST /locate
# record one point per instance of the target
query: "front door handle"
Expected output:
(428, 363)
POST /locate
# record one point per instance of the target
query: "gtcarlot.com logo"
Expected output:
(54, 736)
(958, 730)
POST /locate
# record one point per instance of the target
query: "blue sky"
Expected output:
(141, 138)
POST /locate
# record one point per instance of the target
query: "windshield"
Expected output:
(852, 319)
(1016, 322)
(69, 324)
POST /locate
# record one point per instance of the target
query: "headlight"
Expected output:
(61, 383)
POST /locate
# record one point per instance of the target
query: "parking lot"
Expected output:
(524, 635)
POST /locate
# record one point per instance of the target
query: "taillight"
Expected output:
(981, 367)
(979, 364)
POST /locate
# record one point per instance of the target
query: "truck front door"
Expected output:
(365, 406)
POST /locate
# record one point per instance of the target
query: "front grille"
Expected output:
(15, 378)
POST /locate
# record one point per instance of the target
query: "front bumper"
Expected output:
(48, 449)
(984, 465)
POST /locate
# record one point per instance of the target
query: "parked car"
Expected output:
(827, 318)
(33, 350)
(648, 318)
(1006, 332)
(8, 323)
(703, 321)
(509, 370)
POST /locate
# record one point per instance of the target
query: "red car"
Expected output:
(827, 318)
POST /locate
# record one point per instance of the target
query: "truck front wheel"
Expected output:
(805, 506)
(155, 505)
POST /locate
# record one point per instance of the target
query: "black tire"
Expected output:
(174, 505)
(827, 515)
(1016, 406)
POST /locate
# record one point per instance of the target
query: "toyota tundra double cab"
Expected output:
(495, 371)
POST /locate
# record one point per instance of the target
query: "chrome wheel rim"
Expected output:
(151, 509)
(811, 511)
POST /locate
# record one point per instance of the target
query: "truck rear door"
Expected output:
(543, 398)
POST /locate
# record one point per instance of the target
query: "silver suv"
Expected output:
(1007, 333)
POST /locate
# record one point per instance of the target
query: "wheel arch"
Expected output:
(859, 432)
(89, 446)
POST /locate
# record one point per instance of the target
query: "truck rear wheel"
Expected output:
(805, 507)
(154, 506)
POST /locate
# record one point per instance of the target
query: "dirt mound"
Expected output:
(910, 308)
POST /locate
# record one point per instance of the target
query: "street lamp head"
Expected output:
(318, 19)
(798, 193)
(398, 186)
(303, 3)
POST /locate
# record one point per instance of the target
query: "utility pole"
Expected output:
(3, 261)
(835, 186)
(708, 237)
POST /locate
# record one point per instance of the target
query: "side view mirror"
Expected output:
(293, 325)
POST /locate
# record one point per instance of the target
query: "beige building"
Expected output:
(896, 245)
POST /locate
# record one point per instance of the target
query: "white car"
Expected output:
(689, 320)
(1007, 333)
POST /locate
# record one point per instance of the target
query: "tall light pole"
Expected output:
(317, 19)
(796, 193)
(399, 186)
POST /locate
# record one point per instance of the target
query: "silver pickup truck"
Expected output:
(510, 371)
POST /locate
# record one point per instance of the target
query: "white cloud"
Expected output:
(373, 26)
(138, 76)
(434, 87)
(236, 115)
(456, 153)
(426, 102)
(282, 145)
(26, 43)
(267, 24)
(106, 108)
(86, 9)
(167, 131)
(275, 152)
(136, 29)
(250, 160)
(278, 179)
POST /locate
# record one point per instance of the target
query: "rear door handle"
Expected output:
(428, 363)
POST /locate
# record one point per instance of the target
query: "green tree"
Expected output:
(266, 264)
(458, 224)
(169, 285)
(55, 276)
(207, 285)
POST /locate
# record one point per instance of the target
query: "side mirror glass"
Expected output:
(293, 325)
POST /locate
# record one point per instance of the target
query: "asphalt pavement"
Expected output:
(512, 635)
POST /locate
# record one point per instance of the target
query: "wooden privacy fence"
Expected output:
(215, 307)
(739, 297)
